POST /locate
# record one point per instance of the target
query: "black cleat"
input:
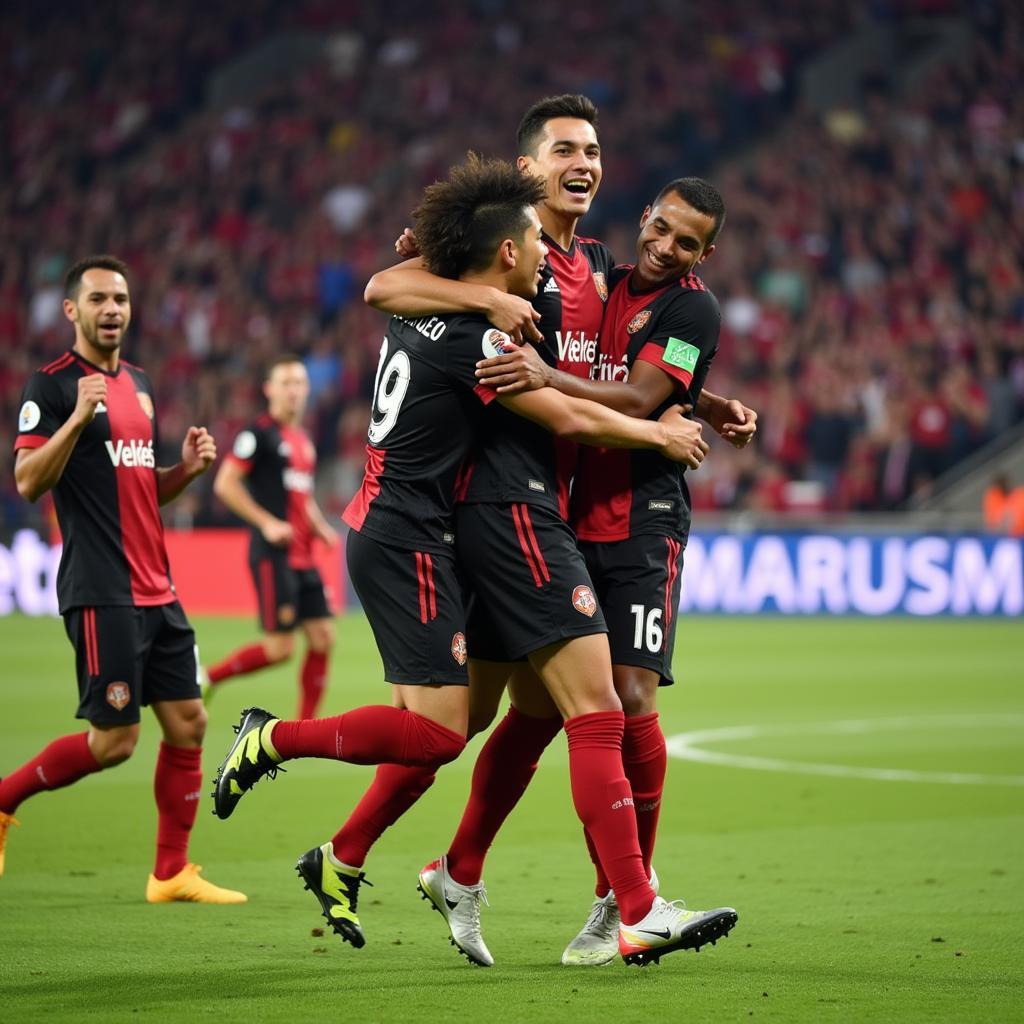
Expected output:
(337, 889)
(248, 760)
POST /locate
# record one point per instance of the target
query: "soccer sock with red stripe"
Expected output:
(64, 761)
(312, 683)
(604, 804)
(395, 788)
(503, 769)
(376, 734)
(177, 785)
(239, 663)
(644, 759)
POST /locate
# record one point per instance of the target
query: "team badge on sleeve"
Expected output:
(497, 343)
(459, 648)
(583, 601)
(601, 284)
(29, 416)
(638, 322)
(245, 445)
(681, 354)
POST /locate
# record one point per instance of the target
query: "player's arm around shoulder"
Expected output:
(41, 459)
(198, 454)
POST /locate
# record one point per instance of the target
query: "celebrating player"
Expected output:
(481, 227)
(87, 430)
(518, 491)
(267, 480)
(631, 510)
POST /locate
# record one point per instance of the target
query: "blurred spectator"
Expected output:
(1003, 507)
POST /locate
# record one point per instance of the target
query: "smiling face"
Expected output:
(101, 312)
(568, 158)
(673, 239)
(530, 255)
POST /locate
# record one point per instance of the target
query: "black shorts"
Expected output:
(529, 585)
(414, 602)
(637, 582)
(129, 657)
(287, 596)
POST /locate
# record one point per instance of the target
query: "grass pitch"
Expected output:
(861, 899)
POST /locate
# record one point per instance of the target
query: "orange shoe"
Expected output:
(187, 887)
(6, 821)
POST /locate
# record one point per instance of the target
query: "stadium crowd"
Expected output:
(871, 281)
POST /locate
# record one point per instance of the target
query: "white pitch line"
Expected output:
(689, 747)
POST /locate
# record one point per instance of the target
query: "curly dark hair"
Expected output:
(73, 278)
(702, 196)
(461, 221)
(531, 128)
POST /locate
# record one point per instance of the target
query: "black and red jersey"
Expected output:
(619, 493)
(279, 462)
(427, 407)
(106, 498)
(519, 461)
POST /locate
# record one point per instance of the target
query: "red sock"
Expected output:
(605, 806)
(372, 735)
(601, 886)
(238, 663)
(502, 772)
(393, 791)
(64, 761)
(645, 760)
(177, 784)
(312, 683)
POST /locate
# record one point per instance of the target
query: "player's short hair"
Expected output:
(284, 359)
(531, 128)
(73, 278)
(461, 221)
(702, 196)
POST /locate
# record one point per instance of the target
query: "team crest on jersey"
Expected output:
(639, 322)
(496, 343)
(286, 614)
(146, 402)
(601, 285)
(118, 696)
(459, 648)
(29, 416)
(583, 601)
(284, 449)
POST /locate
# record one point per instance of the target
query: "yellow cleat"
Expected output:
(187, 887)
(6, 821)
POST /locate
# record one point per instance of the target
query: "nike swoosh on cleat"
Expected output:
(664, 934)
(452, 904)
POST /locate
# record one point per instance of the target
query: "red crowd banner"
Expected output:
(210, 569)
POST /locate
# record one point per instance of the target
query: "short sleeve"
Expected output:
(467, 346)
(246, 448)
(685, 338)
(44, 409)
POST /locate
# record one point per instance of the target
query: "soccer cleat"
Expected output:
(6, 821)
(251, 756)
(337, 889)
(597, 942)
(187, 887)
(670, 926)
(459, 905)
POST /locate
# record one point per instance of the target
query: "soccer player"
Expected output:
(267, 480)
(480, 226)
(87, 430)
(511, 532)
(631, 510)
